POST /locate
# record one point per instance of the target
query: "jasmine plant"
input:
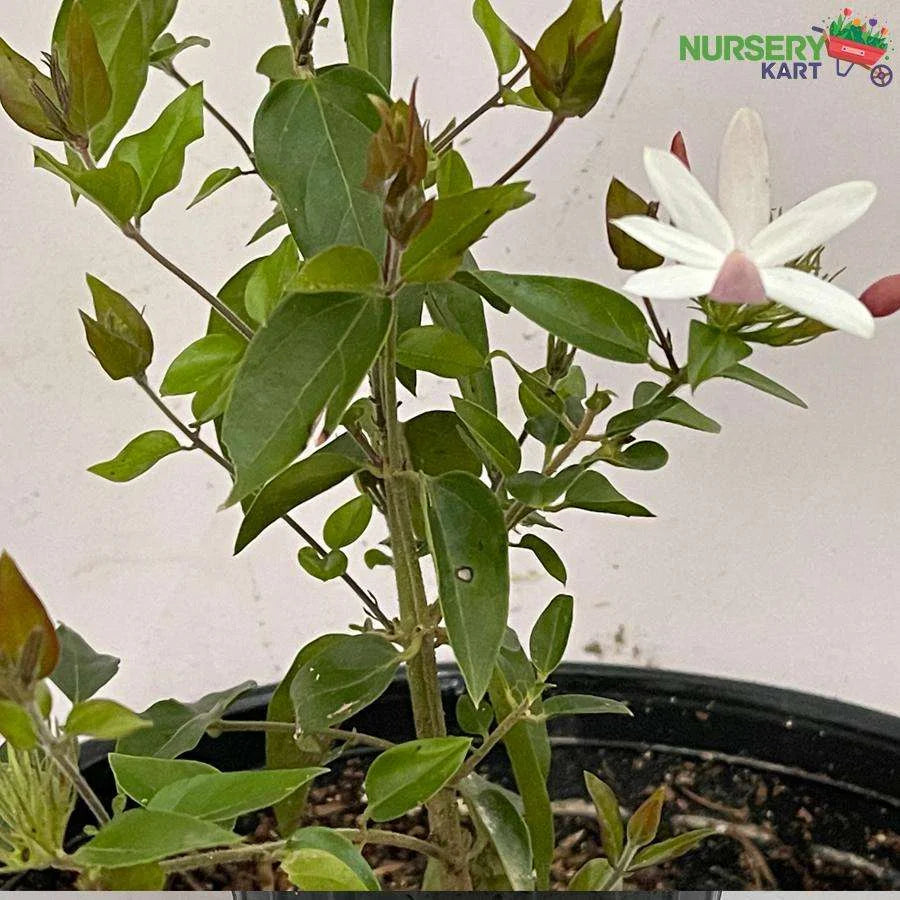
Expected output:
(299, 384)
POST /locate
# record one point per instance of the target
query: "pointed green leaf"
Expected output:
(277, 63)
(157, 154)
(90, 94)
(17, 75)
(411, 773)
(453, 176)
(436, 445)
(311, 138)
(143, 777)
(585, 315)
(114, 189)
(201, 362)
(670, 849)
(167, 47)
(349, 270)
(335, 845)
(348, 522)
(327, 467)
(612, 831)
(467, 536)
(644, 822)
(550, 635)
(310, 357)
(457, 222)
(178, 727)
(546, 556)
(593, 492)
(16, 726)
(275, 221)
(367, 31)
(431, 348)
(762, 383)
(590, 876)
(313, 869)
(325, 568)
(712, 352)
(471, 718)
(142, 835)
(491, 435)
(505, 50)
(137, 456)
(645, 456)
(103, 719)
(345, 675)
(271, 279)
(583, 705)
(214, 181)
(630, 254)
(650, 406)
(81, 671)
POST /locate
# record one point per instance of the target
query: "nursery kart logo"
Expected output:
(849, 39)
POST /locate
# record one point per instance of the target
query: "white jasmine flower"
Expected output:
(732, 253)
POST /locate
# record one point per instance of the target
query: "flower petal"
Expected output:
(811, 223)
(686, 200)
(672, 282)
(671, 242)
(817, 299)
(744, 187)
(738, 281)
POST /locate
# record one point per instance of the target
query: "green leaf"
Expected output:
(104, 719)
(81, 671)
(526, 97)
(583, 705)
(471, 718)
(649, 406)
(126, 30)
(324, 469)
(274, 222)
(541, 491)
(645, 456)
(762, 383)
(431, 348)
(16, 726)
(140, 836)
(90, 94)
(348, 522)
(644, 822)
(590, 876)
(467, 536)
(311, 138)
(550, 635)
(310, 357)
(605, 802)
(367, 31)
(344, 676)
(491, 435)
(145, 877)
(119, 336)
(341, 269)
(461, 311)
(502, 822)
(674, 847)
(137, 456)
(158, 153)
(411, 773)
(178, 727)
(167, 47)
(453, 176)
(325, 568)
(201, 362)
(712, 352)
(436, 445)
(221, 796)
(585, 315)
(336, 846)
(594, 493)
(505, 50)
(271, 279)
(457, 222)
(277, 63)
(114, 189)
(630, 254)
(214, 181)
(546, 556)
(373, 557)
(17, 75)
(143, 777)
(312, 869)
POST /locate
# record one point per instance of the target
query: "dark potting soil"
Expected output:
(775, 830)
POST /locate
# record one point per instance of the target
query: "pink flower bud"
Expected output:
(680, 150)
(883, 297)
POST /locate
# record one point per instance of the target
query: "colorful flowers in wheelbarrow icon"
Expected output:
(859, 41)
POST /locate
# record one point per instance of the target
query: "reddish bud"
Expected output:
(680, 150)
(883, 297)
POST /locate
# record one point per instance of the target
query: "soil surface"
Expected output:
(775, 830)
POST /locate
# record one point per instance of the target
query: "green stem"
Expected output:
(617, 872)
(552, 128)
(494, 738)
(339, 734)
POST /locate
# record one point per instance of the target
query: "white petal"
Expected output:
(819, 300)
(686, 200)
(811, 223)
(672, 282)
(671, 242)
(744, 188)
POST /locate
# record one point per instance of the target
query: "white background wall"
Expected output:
(773, 556)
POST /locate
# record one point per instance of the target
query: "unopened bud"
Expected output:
(680, 150)
(883, 298)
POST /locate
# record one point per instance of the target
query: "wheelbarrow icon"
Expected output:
(855, 54)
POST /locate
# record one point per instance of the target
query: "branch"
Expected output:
(339, 734)
(552, 128)
(663, 337)
(394, 839)
(494, 738)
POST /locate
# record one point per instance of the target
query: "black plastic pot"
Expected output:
(833, 754)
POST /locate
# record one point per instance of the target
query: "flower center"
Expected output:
(738, 281)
